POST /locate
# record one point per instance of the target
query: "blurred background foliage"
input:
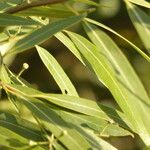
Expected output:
(112, 13)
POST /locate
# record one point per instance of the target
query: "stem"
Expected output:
(32, 4)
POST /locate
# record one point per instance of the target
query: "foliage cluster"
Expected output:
(67, 121)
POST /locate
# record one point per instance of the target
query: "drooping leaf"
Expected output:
(57, 72)
(59, 11)
(40, 35)
(15, 133)
(69, 44)
(97, 142)
(20, 126)
(143, 3)
(11, 20)
(128, 102)
(58, 127)
(141, 22)
(89, 2)
(120, 36)
(120, 63)
(76, 104)
(99, 126)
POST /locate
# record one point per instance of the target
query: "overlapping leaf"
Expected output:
(76, 104)
(143, 3)
(52, 122)
(15, 132)
(69, 44)
(11, 20)
(59, 11)
(42, 34)
(128, 101)
(120, 36)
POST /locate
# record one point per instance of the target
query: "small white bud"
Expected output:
(25, 66)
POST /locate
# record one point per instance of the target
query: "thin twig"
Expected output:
(32, 4)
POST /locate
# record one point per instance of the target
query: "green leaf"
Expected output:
(84, 106)
(11, 20)
(114, 32)
(141, 22)
(20, 126)
(57, 72)
(69, 44)
(89, 2)
(99, 126)
(18, 133)
(11, 139)
(143, 3)
(97, 142)
(117, 59)
(128, 102)
(52, 122)
(51, 12)
(80, 122)
(3, 74)
(40, 35)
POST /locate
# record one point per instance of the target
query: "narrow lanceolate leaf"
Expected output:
(97, 142)
(129, 102)
(15, 133)
(100, 127)
(120, 63)
(120, 36)
(143, 3)
(3, 74)
(81, 125)
(80, 105)
(20, 126)
(141, 22)
(69, 44)
(47, 12)
(11, 20)
(42, 34)
(89, 2)
(52, 122)
(57, 72)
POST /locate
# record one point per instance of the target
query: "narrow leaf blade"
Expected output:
(141, 22)
(40, 35)
(57, 72)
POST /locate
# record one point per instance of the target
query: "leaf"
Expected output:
(114, 32)
(140, 2)
(141, 22)
(97, 142)
(120, 64)
(128, 102)
(3, 74)
(99, 126)
(17, 133)
(52, 122)
(12, 140)
(59, 11)
(88, 133)
(40, 35)
(20, 126)
(76, 104)
(57, 72)
(89, 2)
(11, 20)
(69, 44)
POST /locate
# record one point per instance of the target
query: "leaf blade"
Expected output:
(57, 72)
(141, 22)
(40, 35)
